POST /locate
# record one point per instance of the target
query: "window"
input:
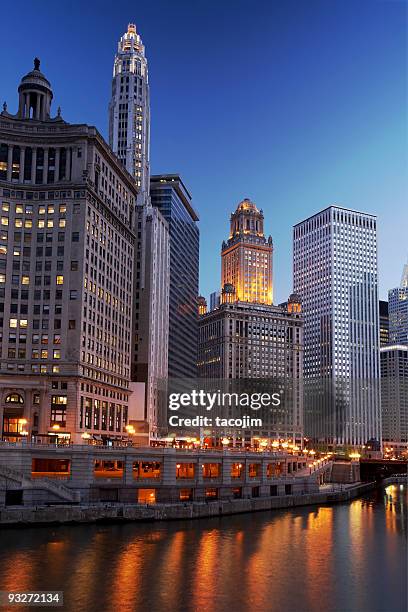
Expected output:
(25, 280)
(211, 470)
(185, 470)
(71, 324)
(60, 280)
(146, 469)
(50, 467)
(14, 398)
(74, 266)
(73, 294)
(58, 409)
(108, 469)
(254, 470)
(56, 354)
(237, 470)
(75, 235)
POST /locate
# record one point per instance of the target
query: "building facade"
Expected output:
(66, 266)
(171, 197)
(215, 299)
(335, 273)
(246, 257)
(246, 337)
(398, 311)
(129, 137)
(151, 312)
(394, 396)
(129, 109)
(253, 341)
(384, 324)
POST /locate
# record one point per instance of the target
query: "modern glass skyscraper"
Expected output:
(171, 197)
(398, 311)
(335, 273)
(129, 109)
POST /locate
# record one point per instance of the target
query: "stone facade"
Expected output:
(66, 271)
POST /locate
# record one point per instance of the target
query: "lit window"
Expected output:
(55, 369)
(63, 208)
(41, 223)
(41, 210)
(3, 249)
(28, 223)
(43, 369)
(2, 278)
(57, 354)
(50, 223)
(60, 280)
(25, 280)
(5, 206)
(23, 322)
(50, 209)
(18, 222)
(4, 220)
(13, 322)
(44, 354)
(62, 223)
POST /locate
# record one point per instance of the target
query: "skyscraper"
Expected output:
(253, 339)
(335, 273)
(129, 109)
(398, 311)
(66, 266)
(394, 396)
(170, 195)
(215, 299)
(129, 137)
(246, 257)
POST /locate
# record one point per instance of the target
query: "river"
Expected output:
(349, 557)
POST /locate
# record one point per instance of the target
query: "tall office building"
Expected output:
(394, 396)
(129, 137)
(66, 266)
(244, 339)
(398, 311)
(246, 257)
(170, 195)
(384, 324)
(215, 299)
(129, 109)
(151, 313)
(335, 273)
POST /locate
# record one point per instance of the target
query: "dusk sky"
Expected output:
(295, 104)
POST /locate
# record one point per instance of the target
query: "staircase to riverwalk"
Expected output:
(56, 488)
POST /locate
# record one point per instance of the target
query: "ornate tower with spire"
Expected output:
(129, 109)
(247, 257)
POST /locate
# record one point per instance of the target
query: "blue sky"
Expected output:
(296, 104)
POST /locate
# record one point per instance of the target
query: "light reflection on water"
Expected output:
(342, 558)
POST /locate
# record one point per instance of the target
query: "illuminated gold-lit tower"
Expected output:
(247, 256)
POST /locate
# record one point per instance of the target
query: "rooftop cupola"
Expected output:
(35, 95)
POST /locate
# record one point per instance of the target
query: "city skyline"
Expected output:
(300, 148)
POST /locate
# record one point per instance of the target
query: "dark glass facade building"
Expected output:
(170, 195)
